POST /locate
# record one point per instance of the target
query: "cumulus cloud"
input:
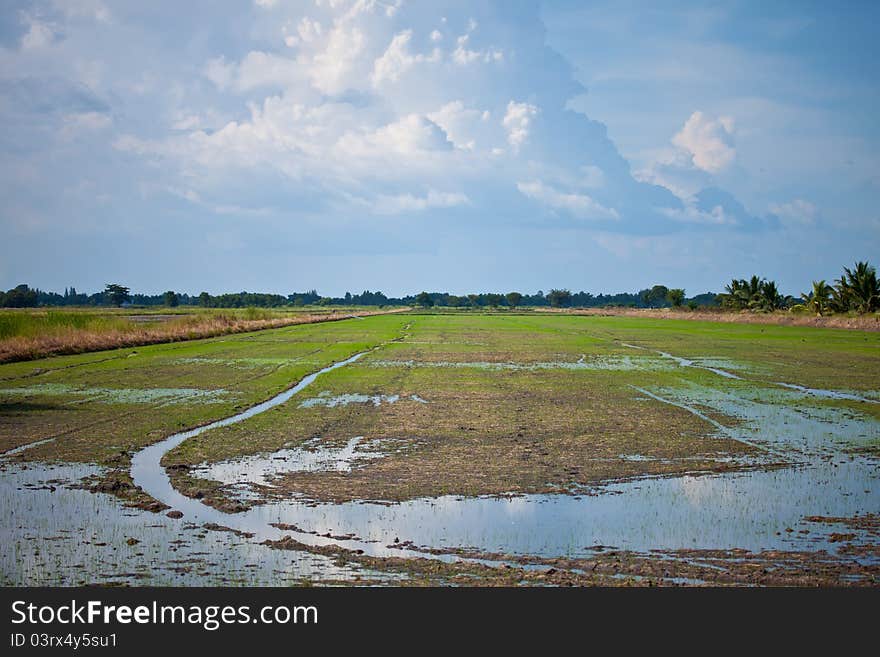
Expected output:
(707, 141)
(397, 59)
(354, 96)
(411, 135)
(675, 171)
(332, 67)
(517, 121)
(580, 205)
(463, 126)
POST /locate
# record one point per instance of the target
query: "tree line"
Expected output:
(857, 290)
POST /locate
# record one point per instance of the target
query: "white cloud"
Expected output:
(690, 214)
(397, 204)
(674, 170)
(463, 56)
(580, 205)
(707, 141)
(331, 69)
(357, 100)
(463, 126)
(796, 212)
(517, 121)
(411, 135)
(397, 59)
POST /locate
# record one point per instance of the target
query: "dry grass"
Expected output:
(120, 333)
(870, 322)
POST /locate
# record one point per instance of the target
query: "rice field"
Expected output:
(438, 448)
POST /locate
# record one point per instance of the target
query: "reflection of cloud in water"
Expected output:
(53, 535)
(702, 491)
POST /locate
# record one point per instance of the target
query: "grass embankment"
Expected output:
(867, 322)
(27, 335)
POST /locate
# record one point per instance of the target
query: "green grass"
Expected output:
(32, 324)
(509, 409)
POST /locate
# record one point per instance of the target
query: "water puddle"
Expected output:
(829, 394)
(122, 395)
(57, 536)
(324, 399)
(722, 368)
(717, 366)
(261, 469)
(610, 363)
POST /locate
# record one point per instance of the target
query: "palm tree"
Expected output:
(752, 292)
(858, 289)
(819, 299)
(768, 297)
(734, 293)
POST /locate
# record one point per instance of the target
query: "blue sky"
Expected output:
(462, 146)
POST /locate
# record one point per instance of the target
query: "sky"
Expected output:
(403, 145)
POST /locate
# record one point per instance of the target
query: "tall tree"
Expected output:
(819, 298)
(859, 289)
(494, 300)
(424, 300)
(116, 294)
(513, 299)
(171, 299)
(656, 295)
(769, 297)
(675, 296)
(559, 298)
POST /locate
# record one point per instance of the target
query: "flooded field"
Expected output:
(451, 449)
